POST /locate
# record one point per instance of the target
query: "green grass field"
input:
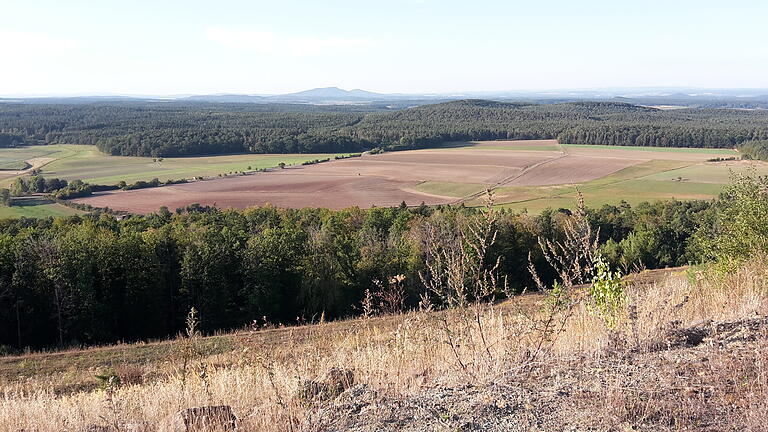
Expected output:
(35, 207)
(649, 181)
(14, 165)
(87, 163)
(9, 156)
(719, 172)
(716, 151)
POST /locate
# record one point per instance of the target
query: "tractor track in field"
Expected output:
(511, 178)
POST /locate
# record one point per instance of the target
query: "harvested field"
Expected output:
(527, 174)
(372, 180)
(283, 189)
(433, 165)
(520, 145)
(572, 169)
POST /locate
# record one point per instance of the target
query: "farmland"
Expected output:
(87, 163)
(35, 207)
(526, 175)
(530, 175)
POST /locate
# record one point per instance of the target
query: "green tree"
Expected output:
(738, 226)
(37, 184)
(19, 187)
(5, 197)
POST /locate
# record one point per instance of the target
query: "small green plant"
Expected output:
(112, 404)
(557, 298)
(188, 351)
(108, 379)
(606, 293)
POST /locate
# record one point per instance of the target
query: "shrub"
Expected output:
(757, 150)
(606, 294)
(739, 226)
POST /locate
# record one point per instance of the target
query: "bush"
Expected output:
(75, 189)
(5, 197)
(606, 293)
(738, 228)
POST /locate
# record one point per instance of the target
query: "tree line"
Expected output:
(185, 129)
(755, 150)
(95, 279)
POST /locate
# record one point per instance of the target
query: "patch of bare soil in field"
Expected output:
(572, 169)
(620, 152)
(282, 190)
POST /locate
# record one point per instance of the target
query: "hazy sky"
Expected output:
(222, 46)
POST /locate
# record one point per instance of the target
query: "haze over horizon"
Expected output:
(406, 46)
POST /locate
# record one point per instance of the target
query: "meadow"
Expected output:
(36, 207)
(87, 163)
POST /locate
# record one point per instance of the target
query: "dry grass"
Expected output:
(404, 354)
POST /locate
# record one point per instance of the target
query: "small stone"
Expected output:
(94, 428)
(136, 427)
(338, 380)
(203, 419)
(310, 390)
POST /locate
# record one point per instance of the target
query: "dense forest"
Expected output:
(97, 279)
(183, 129)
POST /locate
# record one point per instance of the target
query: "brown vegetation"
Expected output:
(689, 354)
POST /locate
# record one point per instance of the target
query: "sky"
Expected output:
(169, 47)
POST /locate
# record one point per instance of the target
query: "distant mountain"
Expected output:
(333, 94)
(225, 98)
(648, 96)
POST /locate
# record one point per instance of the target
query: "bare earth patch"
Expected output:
(374, 180)
(572, 169)
(628, 153)
(279, 189)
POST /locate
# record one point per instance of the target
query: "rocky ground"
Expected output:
(707, 377)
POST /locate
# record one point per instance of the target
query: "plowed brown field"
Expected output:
(390, 178)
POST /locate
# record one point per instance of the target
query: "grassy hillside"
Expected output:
(405, 366)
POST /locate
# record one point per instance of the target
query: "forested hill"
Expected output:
(179, 129)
